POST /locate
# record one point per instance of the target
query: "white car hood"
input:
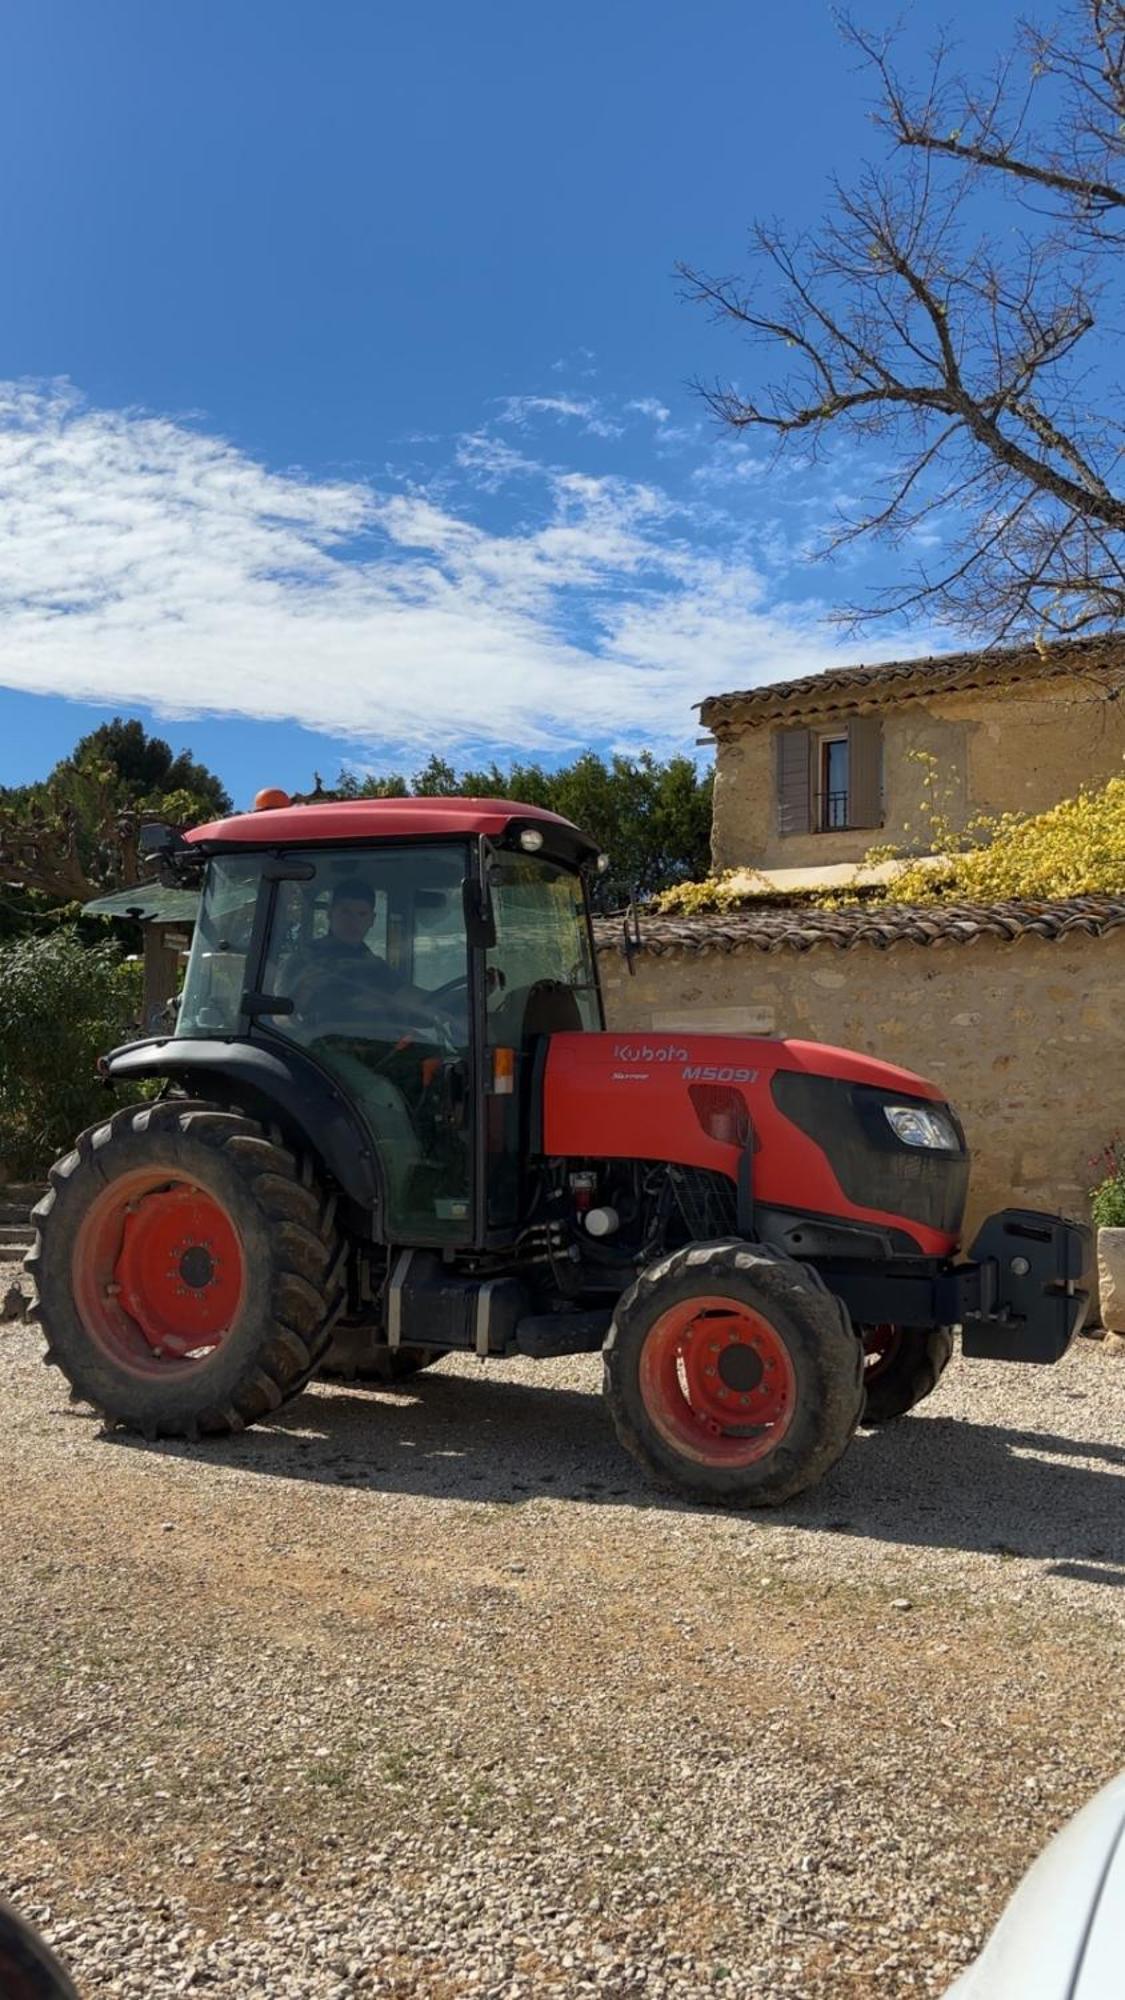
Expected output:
(1062, 1936)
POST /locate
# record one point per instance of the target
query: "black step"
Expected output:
(545, 1334)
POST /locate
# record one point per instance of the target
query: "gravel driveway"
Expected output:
(425, 1693)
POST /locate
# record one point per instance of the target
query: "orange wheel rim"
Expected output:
(717, 1381)
(158, 1273)
(880, 1347)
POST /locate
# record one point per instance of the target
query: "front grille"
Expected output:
(874, 1169)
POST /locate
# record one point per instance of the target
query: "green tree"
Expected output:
(75, 833)
(147, 770)
(436, 780)
(61, 1004)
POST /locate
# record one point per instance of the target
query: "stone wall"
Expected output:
(1027, 1038)
(1014, 749)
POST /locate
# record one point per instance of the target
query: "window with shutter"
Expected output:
(865, 771)
(794, 789)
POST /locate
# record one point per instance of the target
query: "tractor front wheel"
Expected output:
(187, 1269)
(733, 1375)
(901, 1365)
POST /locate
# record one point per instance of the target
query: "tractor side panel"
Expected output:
(660, 1097)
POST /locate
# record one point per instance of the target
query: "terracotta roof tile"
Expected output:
(900, 680)
(882, 927)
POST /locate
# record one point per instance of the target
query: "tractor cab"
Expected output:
(415, 953)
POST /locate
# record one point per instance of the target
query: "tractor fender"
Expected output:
(282, 1084)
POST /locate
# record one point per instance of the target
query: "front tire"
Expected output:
(732, 1375)
(187, 1269)
(902, 1365)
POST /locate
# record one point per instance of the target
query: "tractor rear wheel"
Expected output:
(187, 1269)
(732, 1374)
(902, 1365)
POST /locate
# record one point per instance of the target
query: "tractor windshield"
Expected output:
(542, 964)
(216, 974)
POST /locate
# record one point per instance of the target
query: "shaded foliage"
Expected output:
(74, 834)
(61, 1004)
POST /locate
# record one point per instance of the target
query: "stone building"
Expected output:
(813, 773)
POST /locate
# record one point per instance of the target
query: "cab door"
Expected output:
(540, 979)
(385, 1008)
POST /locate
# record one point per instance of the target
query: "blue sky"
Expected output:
(344, 404)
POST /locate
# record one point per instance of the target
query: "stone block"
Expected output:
(1111, 1279)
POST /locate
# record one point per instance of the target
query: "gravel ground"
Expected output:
(425, 1693)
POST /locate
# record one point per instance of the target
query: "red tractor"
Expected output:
(390, 1125)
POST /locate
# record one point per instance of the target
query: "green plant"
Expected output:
(61, 1004)
(1107, 1199)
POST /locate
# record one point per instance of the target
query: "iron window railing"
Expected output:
(832, 812)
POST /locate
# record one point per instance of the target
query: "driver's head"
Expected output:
(351, 911)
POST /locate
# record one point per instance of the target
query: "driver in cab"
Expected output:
(339, 978)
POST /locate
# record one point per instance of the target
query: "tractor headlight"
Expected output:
(923, 1125)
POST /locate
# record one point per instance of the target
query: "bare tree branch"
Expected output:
(910, 321)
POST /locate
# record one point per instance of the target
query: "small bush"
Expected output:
(693, 899)
(61, 1004)
(1107, 1199)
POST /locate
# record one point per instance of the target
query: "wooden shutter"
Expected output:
(865, 771)
(794, 790)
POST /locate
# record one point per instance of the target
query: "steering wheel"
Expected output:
(495, 981)
(394, 1023)
(451, 986)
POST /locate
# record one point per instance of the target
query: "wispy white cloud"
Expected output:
(144, 562)
(650, 406)
(586, 411)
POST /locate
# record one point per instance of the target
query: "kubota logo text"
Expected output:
(648, 1052)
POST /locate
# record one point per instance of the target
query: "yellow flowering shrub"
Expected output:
(693, 899)
(1076, 848)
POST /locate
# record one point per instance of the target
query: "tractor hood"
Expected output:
(814, 1116)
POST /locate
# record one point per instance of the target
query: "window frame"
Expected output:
(822, 807)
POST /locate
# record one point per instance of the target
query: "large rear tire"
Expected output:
(733, 1375)
(902, 1366)
(187, 1269)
